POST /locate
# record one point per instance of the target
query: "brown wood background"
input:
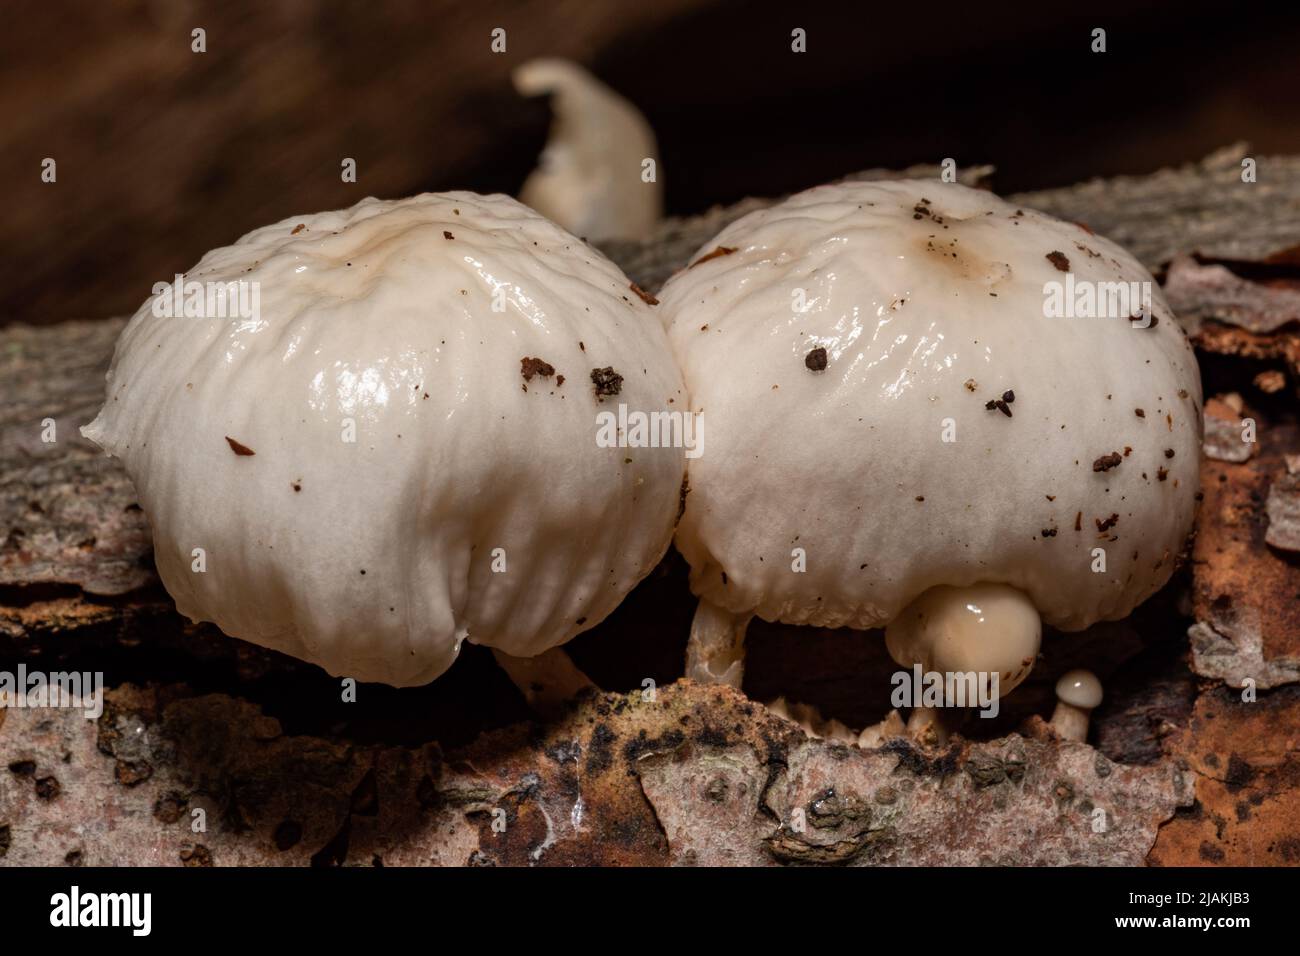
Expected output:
(163, 153)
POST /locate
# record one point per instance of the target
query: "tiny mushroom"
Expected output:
(1078, 692)
(961, 463)
(393, 449)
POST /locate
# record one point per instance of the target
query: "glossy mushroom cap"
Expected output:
(890, 410)
(398, 451)
(1079, 688)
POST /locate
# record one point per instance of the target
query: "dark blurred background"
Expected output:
(164, 153)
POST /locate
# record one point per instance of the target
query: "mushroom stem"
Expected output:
(1070, 722)
(925, 726)
(548, 681)
(715, 651)
(1077, 693)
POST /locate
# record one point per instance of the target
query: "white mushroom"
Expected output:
(899, 432)
(397, 450)
(590, 175)
(1078, 693)
(990, 630)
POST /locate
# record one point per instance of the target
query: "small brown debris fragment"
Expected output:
(1162, 473)
(1139, 413)
(1048, 532)
(1270, 381)
(1078, 521)
(298, 228)
(1107, 462)
(816, 359)
(238, 447)
(1008, 396)
(529, 367)
(47, 788)
(129, 773)
(719, 251)
(606, 381)
(1104, 525)
(195, 854)
(971, 385)
(447, 235)
(1169, 453)
(646, 297)
(1058, 259)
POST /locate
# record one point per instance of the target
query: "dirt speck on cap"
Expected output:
(606, 381)
(719, 251)
(1107, 462)
(646, 297)
(239, 448)
(816, 360)
(534, 366)
(1058, 259)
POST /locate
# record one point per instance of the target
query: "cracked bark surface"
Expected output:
(1183, 771)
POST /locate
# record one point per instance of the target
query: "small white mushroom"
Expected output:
(989, 630)
(396, 450)
(901, 429)
(590, 175)
(1078, 693)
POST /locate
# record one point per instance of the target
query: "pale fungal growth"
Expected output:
(592, 176)
(811, 721)
(396, 451)
(921, 417)
(1078, 693)
(985, 629)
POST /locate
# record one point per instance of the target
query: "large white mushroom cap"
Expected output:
(928, 301)
(475, 430)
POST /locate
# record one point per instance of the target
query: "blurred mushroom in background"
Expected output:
(598, 176)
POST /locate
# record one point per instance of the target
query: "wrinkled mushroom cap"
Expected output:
(928, 301)
(375, 558)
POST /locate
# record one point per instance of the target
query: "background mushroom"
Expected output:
(590, 177)
(899, 431)
(397, 451)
